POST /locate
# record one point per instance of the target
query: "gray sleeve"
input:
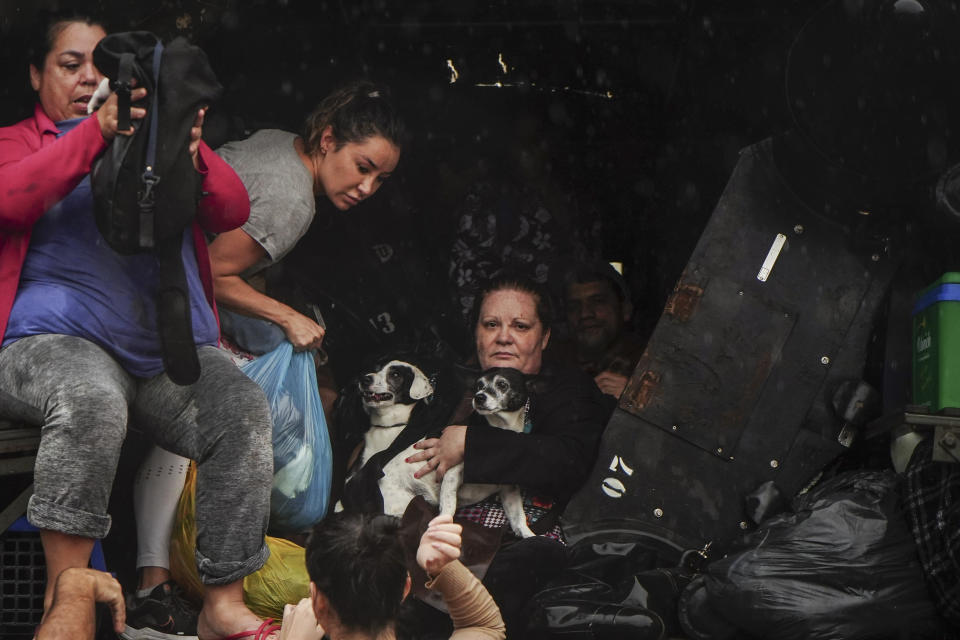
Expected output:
(279, 217)
(277, 222)
(282, 204)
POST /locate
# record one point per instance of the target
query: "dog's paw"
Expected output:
(523, 531)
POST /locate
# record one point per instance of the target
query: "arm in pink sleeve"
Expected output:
(33, 178)
(225, 204)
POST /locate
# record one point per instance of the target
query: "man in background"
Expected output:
(598, 312)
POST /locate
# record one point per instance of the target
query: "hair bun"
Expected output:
(353, 113)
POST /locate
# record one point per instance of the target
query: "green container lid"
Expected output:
(946, 287)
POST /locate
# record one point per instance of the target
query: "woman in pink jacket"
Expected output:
(80, 350)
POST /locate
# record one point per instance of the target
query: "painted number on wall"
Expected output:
(613, 487)
(383, 323)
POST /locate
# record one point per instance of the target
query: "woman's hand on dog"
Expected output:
(439, 545)
(440, 454)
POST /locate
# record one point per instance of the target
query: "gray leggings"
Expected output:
(81, 397)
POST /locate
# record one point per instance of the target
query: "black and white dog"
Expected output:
(388, 394)
(501, 397)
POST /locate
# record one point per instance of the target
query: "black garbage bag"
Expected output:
(842, 565)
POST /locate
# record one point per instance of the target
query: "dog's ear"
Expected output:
(420, 388)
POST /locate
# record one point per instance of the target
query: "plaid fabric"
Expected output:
(932, 500)
(489, 513)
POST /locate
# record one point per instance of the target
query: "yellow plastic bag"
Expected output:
(183, 540)
(282, 580)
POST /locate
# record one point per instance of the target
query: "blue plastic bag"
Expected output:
(302, 459)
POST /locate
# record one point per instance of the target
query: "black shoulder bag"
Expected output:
(145, 188)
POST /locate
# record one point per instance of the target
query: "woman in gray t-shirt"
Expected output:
(349, 146)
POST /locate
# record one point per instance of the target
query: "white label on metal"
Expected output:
(613, 488)
(772, 256)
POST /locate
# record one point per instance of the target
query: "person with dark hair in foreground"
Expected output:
(358, 580)
(73, 613)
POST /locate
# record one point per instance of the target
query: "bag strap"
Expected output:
(174, 322)
(174, 319)
(147, 199)
(122, 87)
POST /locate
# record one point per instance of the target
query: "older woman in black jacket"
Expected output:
(549, 462)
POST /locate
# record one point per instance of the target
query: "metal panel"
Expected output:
(773, 311)
(712, 358)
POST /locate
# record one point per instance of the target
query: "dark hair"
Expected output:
(511, 281)
(598, 271)
(357, 562)
(354, 112)
(48, 29)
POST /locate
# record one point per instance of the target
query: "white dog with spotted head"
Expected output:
(388, 394)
